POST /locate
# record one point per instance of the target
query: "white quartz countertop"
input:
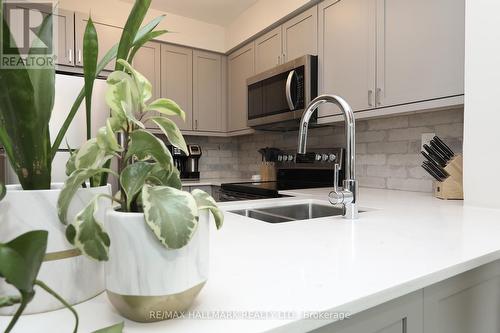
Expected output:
(403, 242)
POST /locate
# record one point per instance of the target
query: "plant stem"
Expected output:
(121, 166)
(60, 299)
(18, 313)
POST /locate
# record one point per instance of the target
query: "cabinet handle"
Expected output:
(284, 58)
(79, 56)
(378, 97)
(70, 56)
(370, 97)
(278, 60)
(196, 124)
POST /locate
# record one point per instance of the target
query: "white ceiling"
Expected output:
(220, 12)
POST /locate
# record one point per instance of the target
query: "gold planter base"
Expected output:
(148, 309)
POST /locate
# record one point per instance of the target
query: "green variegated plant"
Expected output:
(149, 182)
(27, 95)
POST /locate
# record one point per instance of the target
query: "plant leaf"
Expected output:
(118, 328)
(167, 107)
(122, 96)
(143, 85)
(205, 201)
(90, 52)
(106, 139)
(129, 33)
(172, 132)
(91, 155)
(133, 177)
(140, 43)
(88, 235)
(171, 214)
(164, 177)
(72, 184)
(3, 191)
(21, 259)
(145, 145)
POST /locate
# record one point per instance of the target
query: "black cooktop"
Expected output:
(271, 189)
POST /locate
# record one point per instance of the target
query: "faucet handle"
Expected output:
(339, 196)
(336, 170)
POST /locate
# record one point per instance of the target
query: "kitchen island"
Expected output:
(399, 261)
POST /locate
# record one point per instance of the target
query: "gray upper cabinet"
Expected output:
(347, 53)
(207, 91)
(147, 62)
(63, 22)
(108, 36)
(240, 68)
(177, 80)
(300, 35)
(420, 50)
(268, 51)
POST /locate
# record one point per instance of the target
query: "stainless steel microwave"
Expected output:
(278, 97)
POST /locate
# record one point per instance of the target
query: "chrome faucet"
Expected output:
(348, 195)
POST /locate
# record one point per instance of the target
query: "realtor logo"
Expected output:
(27, 35)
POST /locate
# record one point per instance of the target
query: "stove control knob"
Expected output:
(290, 158)
(285, 158)
(332, 158)
(280, 158)
(317, 157)
(324, 157)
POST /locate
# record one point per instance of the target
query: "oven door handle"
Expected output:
(288, 90)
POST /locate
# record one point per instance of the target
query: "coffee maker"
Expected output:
(188, 165)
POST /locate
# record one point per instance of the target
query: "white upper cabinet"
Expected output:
(240, 68)
(268, 52)
(177, 80)
(347, 53)
(108, 36)
(147, 62)
(300, 35)
(207, 91)
(421, 47)
(383, 53)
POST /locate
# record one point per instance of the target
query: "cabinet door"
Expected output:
(147, 62)
(347, 53)
(177, 80)
(420, 46)
(402, 315)
(207, 91)
(108, 35)
(466, 303)
(240, 68)
(63, 25)
(268, 53)
(300, 35)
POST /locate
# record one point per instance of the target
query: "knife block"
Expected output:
(452, 187)
(267, 172)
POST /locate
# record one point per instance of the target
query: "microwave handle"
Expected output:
(288, 90)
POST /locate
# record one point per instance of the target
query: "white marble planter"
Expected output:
(70, 274)
(143, 277)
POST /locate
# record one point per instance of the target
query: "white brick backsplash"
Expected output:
(388, 149)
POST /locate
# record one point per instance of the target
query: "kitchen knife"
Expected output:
(443, 146)
(443, 154)
(428, 158)
(435, 156)
(442, 173)
(431, 172)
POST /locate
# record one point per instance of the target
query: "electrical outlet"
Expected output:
(426, 138)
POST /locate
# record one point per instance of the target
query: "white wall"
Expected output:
(258, 17)
(482, 104)
(185, 31)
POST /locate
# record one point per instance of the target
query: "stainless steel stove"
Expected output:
(311, 170)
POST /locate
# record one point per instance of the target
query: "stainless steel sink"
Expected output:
(290, 212)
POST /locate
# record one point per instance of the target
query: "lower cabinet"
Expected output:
(402, 315)
(466, 303)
